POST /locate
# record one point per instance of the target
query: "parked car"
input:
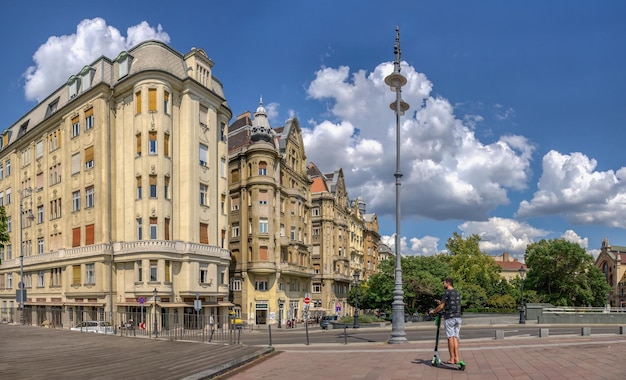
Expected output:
(99, 327)
(326, 321)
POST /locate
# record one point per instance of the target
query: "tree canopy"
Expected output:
(564, 274)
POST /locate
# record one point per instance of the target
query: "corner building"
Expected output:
(124, 170)
(270, 221)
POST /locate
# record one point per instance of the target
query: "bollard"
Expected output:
(544, 333)
(622, 330)
(269, 329)
(499, 334)
(345, 334)
(585, 331)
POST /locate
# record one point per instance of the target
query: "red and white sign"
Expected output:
(142, 325)
(307, 300)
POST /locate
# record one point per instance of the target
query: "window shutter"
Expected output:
(204, 233)
(152, 99)
(263, 253)
(89, 154)
(76, 237)
(166, 142)
(138, 102)
(76, 163)
(89, 112)
(89, 234)
(75, 274)
(138, 138)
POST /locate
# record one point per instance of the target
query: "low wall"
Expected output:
(554, 317)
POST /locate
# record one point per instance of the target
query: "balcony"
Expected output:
(261, 267)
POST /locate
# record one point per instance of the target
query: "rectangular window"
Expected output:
(204, 195)
(76, 201)
(263, 197)
(166, 187)
(139, 188)
(89, 157)
(204, 273)
(153, 186)
(89, 119)
(76, 237)
(260, 285)
(166, 102)
(263, 256)
(55, 174)
(153, 270)
(316, 288)
(263, 226)
(55, 277)
(204, 233)
(152, 143)
(75, 164)
(166, 145)
(39, 184)
(235, 230)
(90, 234)
(203, 116)
(262, 168)
(223, 168)
(138, 102)
(1, 171)
(38, 150)
(75, 274)
(167, 229)
(293, 233)
(75, 127)
(168, 271)
(139, 270)
(90, 200)
(138, 144)
(235, 284)
(90, 274)
(55, 209)
(152, 100)
(223, 131)
(54, 141)
(153, 228)
(234, 204)
(40, 246)
(8, 196)
(204, 154)
(40, 279)
(223, 203)
(7, 165)
(9, 280)
(139, 229)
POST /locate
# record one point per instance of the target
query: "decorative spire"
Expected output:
(261, 129)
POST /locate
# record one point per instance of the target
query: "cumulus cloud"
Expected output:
(448, 173)
(62, 56)
(504, 235)
(570, 186)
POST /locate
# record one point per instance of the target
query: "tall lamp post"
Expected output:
(156, 330)
(522, 316)
(356, 299)
(21, 289)
(395, 81)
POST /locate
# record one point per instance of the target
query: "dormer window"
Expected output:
(73, 84)
(86, 76)
(52, 107)
(123, 61)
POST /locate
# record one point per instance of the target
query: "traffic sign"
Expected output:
(307, 300)
(141, 300)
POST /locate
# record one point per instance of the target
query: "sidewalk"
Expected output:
(571, 357)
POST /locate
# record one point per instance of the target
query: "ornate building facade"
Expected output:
(124, 170)
(270, 220)
(611, 262)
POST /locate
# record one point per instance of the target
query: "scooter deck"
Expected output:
(436, 362)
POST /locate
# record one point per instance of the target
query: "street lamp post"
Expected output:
(522, 315)
(356, 299)
(156, 330)
(395, 81)
(21, 289)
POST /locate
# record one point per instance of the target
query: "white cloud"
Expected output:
(62, 56)
(503, 235)
(573, 237)
(447, 172)
(570, 186)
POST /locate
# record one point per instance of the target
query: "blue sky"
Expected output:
(516, 126)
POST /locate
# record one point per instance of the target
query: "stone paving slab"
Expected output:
(29, 352)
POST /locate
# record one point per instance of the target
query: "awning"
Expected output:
(36, 303)
(84, 304)
(173, 304)
(225, 303)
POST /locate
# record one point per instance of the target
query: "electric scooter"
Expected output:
(436, 362)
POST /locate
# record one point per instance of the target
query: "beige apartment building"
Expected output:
(116, 185)
(270, 220)
(342, 234)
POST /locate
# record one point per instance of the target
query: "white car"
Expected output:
(100, 327)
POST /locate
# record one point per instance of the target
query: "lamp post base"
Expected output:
(522, 320)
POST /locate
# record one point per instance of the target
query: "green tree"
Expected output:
(564, 274)
(475, 273)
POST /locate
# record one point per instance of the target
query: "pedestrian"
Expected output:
(451, 305)
(131, 326)
(211, 322)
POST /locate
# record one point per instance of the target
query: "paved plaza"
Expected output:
(29, 352)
